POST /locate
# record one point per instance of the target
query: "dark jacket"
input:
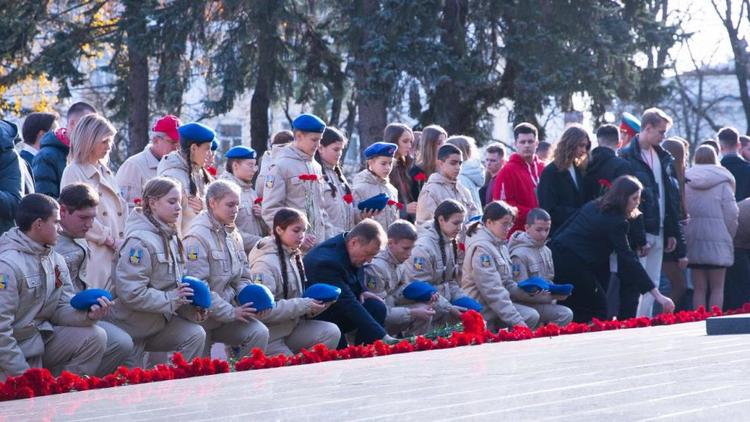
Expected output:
(408, 189)
(26, 156)
(592, 235)
(740, 169)
(48, 165)
(559, 195)
(652, 219)
(329, 263)
(11, 183)
(603, 168)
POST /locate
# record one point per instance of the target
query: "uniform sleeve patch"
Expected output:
(136, 255)
(4, 280)
(485, 260)
(258, 278)
(419, 263)
(371, 282)
(269, 182)
(192, 253)
(516, 270)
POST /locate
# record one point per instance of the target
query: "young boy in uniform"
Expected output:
(386, 278)
(444, 185)
(38, 327)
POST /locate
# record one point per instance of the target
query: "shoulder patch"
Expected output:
(371, 282)
(136, 255)
(258, 278)
(269, 182)
(516, 268)
(485, 260)
(419, 263)
(192, 253)
(4, 280)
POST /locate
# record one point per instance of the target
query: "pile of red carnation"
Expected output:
(40, 382)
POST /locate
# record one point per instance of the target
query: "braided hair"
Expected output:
(157, 188)
(185, 151)
(446, 209)
(284, 218)
(330, 136)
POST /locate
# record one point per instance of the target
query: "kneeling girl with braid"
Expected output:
(434, 259)
(276, 261)
(215, 254)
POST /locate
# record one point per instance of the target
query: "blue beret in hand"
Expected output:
(380, 149)
(534, 284)
(468, 303)
(322, 292)
(419, 291)
(561, 289)
(196, 133)
(83, 301)
(259, 295)
(201, 293)
(377, 202)
(241, 152)
(309, 123)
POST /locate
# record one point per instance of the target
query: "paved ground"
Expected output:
(662, 373)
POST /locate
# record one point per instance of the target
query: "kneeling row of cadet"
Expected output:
(152, 310)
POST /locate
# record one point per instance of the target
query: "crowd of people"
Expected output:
(427, 230)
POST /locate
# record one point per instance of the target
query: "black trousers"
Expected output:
(367, 318)
(589, 298)
(737, 282)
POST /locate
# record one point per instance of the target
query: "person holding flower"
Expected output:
(374, 180)
(295, 180)
(337, 194)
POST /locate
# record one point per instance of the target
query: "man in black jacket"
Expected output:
(729, 141)
(339, 261)
(660, 198)
(604, 166)
(11, 182)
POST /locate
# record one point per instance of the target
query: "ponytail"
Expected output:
(493, 211)
(284, 218)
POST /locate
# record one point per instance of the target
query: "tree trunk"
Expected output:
(137, 80)
(265, 80)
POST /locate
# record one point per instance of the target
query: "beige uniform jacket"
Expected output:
(529, 258)
(134, 173)
(265, 164)
(215, 255)
(251, 228)
(265, 268)
(385, 277)
(284, 188)
(367, 185)
(488, 278)
(146, 277)
(426, 264)
(35, 293)
(342, 215)
(175, 165)
(438, 189)
(111, 214)
(74, 252)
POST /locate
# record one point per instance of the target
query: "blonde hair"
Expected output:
(466, 144)
(218, 189)
(428, 146)
(706, 155)
(653, 116)
(90, 129)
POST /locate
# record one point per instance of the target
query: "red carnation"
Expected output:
(138, 201)
(258, 200)
(396, 204)
(348, 198)
(605, 183)
(420, 177)
(462, 246)
(308, 177)
(211, 170)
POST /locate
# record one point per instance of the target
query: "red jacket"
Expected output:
(516, 184)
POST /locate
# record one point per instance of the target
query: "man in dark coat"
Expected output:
(729, 142)
(11, 183)
(338, 261)
(604, 166)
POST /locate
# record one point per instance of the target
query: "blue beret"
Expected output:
(468, 303)
(196, 133)
(322, 292)
(477, 217)
(259, 295)
(631, 122)
(214, 145)
(309, 123)
(377, 202)
(381, 149)
(201, 293)
(419, 291)
(242, 152)
(534, 284)
(84, 300)
(561, 289)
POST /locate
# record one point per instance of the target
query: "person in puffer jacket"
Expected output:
(472, 174)
(276, 262)
(215, 254)
(444, 185)
(11, 182)
(711, 226)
